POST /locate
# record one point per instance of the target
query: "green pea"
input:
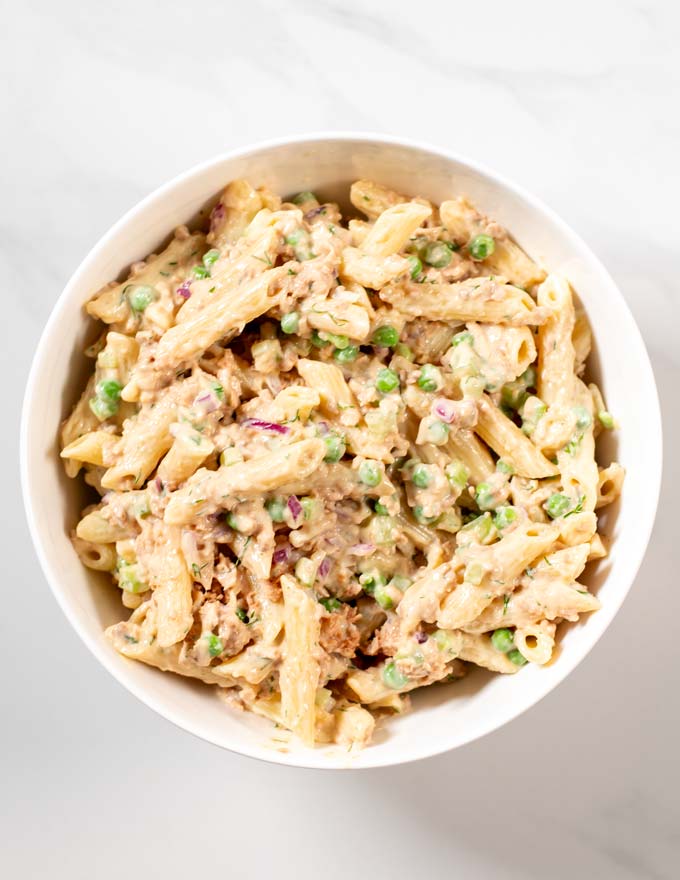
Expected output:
(557, 505)
(393, 677)
(290, 323)
(318, 340)
(369, 473)
(485, 497)
(404, 351)
(416, 266)
(457, 474)
(504, 516)
(335, 448)
(606, 419)
(331, 603)
(386, 380)
(420, 517)
(304, 197)
(386, 336)
(346, 355)
(438, 254)
(215, 646)
(102, 409)
(276, 509)
(421, 476)
(212, 256)
(232, 521)
(200, 272)
(583, 418)
(516, 657)
(295, 237)
(463, 338)
(108, 389)
(438, 432)
(481, 246)
(141, 296)
(504, 467)
(380, 509)
(430, 378)
(383, 598)
(503, 640)
(107, 397)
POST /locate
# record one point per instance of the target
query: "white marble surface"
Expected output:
(103, 102)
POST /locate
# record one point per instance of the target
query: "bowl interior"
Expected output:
(445, 716)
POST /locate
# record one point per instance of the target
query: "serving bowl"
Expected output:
(443, 717)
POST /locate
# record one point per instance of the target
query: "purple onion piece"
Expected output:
(362, 549)
(207, 401)
(445, 409)
(281, 555)
(295, 507)
(216, 215)
(184, 289)
(265, 426)
(421, 637)
(315, 212)
(325, 566)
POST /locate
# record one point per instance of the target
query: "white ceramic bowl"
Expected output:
(443, 717)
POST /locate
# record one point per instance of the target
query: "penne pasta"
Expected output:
(203, 492)
(508, 441)
(476, 299)
(299, 674)
(393, 228)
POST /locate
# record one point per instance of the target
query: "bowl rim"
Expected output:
(312, 759)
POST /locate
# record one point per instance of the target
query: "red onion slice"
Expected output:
(362, 549)
(281, 554)
(207, 402)
(295, 507)
(445, 410)
(184, 289)
(216, 215)
(265, 426)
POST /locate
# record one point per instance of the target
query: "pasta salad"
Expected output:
(340, 461)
